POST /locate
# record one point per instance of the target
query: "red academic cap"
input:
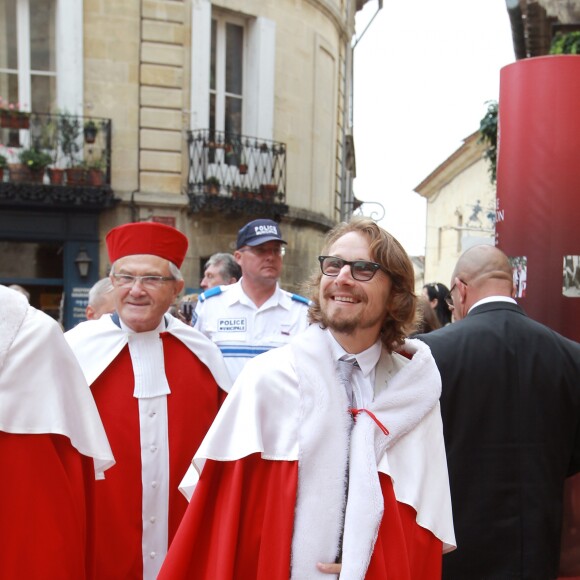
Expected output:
(147, 238)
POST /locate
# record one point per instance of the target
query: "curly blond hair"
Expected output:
(388, 252)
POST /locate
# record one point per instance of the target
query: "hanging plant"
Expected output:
(488, 132)
(90, 131)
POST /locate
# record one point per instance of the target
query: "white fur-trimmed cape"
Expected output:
(42, 388)
(287, 404)
(96, 343)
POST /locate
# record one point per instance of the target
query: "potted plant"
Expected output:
(212, 185)
(11, 117)
(71, 143)
(95, 168)
(34, 162)
(268, 191)
(90, 131)
(56, 175)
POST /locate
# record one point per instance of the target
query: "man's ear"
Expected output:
(179, 287)
(462, 288)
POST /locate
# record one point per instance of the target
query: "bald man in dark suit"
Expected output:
(511, 416)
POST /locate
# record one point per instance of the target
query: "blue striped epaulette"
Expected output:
(215, 291)
(302, 299)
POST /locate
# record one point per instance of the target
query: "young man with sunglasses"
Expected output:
(309, 472)
(254, 314)
(156, 382)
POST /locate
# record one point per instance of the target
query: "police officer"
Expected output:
(254, 314)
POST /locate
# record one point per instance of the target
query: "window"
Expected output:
(226, 76)
(28, 53)
(235, 58)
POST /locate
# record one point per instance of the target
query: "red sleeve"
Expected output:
(238, 523)
(46, 495)
(404, 550)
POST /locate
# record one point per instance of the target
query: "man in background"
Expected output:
(254, 314)
(156, 382)
(52, 444)
(511, 416)
(220, 270)
(101, 299)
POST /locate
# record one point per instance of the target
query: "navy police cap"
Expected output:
(259, 232)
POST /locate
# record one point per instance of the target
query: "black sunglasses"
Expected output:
(449, 298)
(360, 270)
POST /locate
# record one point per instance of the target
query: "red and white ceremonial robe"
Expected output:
(274, 499)
(52, 443)
(156, 412)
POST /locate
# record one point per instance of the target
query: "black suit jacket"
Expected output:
(511, 417)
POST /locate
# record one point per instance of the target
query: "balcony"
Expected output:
(57, 161)
(230, 173)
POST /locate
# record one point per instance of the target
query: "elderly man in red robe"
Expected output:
(327, 458)
(158, 384)
(52, 444)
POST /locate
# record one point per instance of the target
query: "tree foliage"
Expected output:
(488, 136)
(566, 43)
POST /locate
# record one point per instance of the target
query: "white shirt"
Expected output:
(96, 343)
(152, 388)
(363, 376)
(492, 299)
(241, 330)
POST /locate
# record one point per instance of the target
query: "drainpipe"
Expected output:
(517, 25)
(348, 200)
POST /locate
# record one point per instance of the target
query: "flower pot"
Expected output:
(75, 176)
(35, 175)
(16, 172)
(22, 121)
(14, 120)
(56, 175)
(95, 177)
(20, 173)
(243, 168)
(268, 191)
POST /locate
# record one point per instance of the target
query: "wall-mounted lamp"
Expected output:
(355, 205)
(83, 262)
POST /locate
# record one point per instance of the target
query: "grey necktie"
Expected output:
(345, 366)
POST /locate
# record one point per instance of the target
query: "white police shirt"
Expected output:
(227, 316)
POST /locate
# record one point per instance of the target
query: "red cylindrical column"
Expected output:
(538, 185)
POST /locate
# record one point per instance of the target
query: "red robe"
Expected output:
(46, 477)
(218, 541)
(191, 408)
(274, 497)
(52, 442)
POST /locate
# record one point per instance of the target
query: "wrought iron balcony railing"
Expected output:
(57, 159)
(236, 173)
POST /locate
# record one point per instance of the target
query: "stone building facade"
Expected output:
(460, 208)
(193, 92)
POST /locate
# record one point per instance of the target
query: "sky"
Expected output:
(423, 73)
